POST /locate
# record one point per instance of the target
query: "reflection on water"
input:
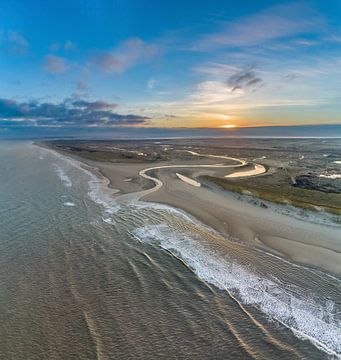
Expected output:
(134, 280)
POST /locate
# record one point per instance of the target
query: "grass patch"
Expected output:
(282, 193)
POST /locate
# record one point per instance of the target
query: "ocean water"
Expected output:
(84, 276)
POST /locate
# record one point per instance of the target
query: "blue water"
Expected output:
(305, 131)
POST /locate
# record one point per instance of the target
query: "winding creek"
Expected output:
(259, 169)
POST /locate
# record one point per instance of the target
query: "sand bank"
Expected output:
(188, 180)
(257, 170)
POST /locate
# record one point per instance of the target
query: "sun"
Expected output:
(227, 126)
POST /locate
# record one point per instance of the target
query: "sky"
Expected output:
(92, 65)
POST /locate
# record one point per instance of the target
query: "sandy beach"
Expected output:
(304, 242)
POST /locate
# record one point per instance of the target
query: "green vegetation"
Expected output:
(282, 193)
(106, 156)
(108, 151)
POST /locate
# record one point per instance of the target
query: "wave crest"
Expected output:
(301, 313)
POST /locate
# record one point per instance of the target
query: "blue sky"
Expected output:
(99, 64)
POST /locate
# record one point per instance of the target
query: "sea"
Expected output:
(84, 275)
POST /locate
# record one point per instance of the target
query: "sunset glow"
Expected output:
(227, 126)
(230, 72)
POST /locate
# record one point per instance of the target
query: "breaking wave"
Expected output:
(69, 203)
(66, 181)
(316, 321)
(98, 191)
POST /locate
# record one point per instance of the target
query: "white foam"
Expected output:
(68, 203)
(108, 220)
(299, 312)
(337, 162)
(66, 181)
(331, 176)
(99, 192)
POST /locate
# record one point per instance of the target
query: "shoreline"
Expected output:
(303, 242)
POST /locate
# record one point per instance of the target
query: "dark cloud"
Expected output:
(168, 116)
(244, 79)
(292, 76)
(69, 113)
(94, 105)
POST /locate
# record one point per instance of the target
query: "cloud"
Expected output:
(244, 79)
(126, 55)
(69, 113)
(79, 95)
(212, 92)
(54, 47)
(276, 22)
(151, 84)
(217, 69)
(69, 45)
(15, 43)
(55, 64)
(81, 85)
(94, 105)
(230, 82)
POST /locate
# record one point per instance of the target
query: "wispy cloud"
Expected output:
(81, 85)
(217, 69)
(273, 23)
(55, 64)
(230, 82)
(14, 42)
(212, 92)
(69, 113)
(67, 45)
(151, 83)
(126, 55)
